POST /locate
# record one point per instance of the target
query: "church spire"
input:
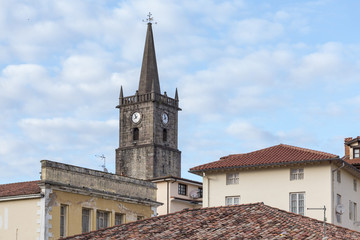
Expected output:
(149, 78)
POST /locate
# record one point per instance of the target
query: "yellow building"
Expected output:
(70, 200)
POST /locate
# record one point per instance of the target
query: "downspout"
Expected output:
(333, 192)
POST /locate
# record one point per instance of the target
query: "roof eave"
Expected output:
(200, 171)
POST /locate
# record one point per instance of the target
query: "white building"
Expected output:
(177, 194)
(290, 178)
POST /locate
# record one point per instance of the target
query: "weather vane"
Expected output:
(150, 19)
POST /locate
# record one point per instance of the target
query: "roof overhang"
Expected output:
(21, 197)
(336, 161)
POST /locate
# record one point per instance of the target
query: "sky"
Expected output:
(250, 74)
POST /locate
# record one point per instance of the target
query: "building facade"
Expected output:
(177, 194)
(148, 125)
(294, 179)
(71, 200)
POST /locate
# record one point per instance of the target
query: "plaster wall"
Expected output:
(346, 189)
(20, 219)
(273, 186)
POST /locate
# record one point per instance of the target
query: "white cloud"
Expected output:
(252, 31)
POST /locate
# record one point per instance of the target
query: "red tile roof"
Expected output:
(20, 188)
(278, 154)
(250, 221)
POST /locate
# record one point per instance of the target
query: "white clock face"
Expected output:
(164, 118)
(136, 117)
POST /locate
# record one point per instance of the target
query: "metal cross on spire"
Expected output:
(150, 19)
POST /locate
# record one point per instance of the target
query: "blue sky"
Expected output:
(250, 74)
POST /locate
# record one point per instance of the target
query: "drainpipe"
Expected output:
(333, 190)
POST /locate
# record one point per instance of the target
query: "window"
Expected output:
(296, 174)
(232, 178)
(200, 192)
(297, 203)
(356, 153)
(352, 211)
(63, 215)
(135, 134)
(338, 176)
(140, 218)
(182, 189)
(85, 220)
(119, 218)
(338, 202)
(355, 185)
(232, 200)
(164, 135)
(102, 220)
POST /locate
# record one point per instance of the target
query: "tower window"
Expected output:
(135, 134)
(164, 135)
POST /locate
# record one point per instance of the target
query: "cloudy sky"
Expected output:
(250, 74)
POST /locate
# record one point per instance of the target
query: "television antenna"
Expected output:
(323, 209)
(104, 159)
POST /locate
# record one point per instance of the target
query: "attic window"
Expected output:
(232, 178)
(356, 152)
(296, 174)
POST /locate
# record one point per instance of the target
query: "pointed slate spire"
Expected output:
(121, 92)
(149, 78)
(176, 95)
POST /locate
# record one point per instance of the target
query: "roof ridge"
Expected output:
(307, 149)
(20, 182)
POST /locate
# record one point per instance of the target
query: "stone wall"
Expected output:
(90, 181)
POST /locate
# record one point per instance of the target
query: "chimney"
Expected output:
(347, 147)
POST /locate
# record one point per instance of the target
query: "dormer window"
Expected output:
(356, 152)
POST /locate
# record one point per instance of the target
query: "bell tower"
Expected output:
(148, 124)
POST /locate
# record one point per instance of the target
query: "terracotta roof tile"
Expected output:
(20, 188)
(278, 154)
(249, 221)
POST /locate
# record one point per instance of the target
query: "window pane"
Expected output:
(236, 201)
(62, 221)
(119, 218)
(85, 220)
(102, 219)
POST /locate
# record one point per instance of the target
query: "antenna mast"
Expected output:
(104, 159)
(324, 209)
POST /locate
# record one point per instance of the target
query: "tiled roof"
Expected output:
(20, 188)
(278, 154)
(250, 221)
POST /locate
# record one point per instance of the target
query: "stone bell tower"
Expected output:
(148, 138)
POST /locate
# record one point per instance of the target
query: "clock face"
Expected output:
(164, 118)
(135, 117)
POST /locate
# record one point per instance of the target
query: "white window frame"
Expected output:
(232, 178)
(63, 220)
(355, 185)
(338, 176)
(338, 202)
(356, 153)
(232, 200)
(102, 219)
(119, 218)
(297, 202)
(296, 174)
(352, 210)
(86, 220)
